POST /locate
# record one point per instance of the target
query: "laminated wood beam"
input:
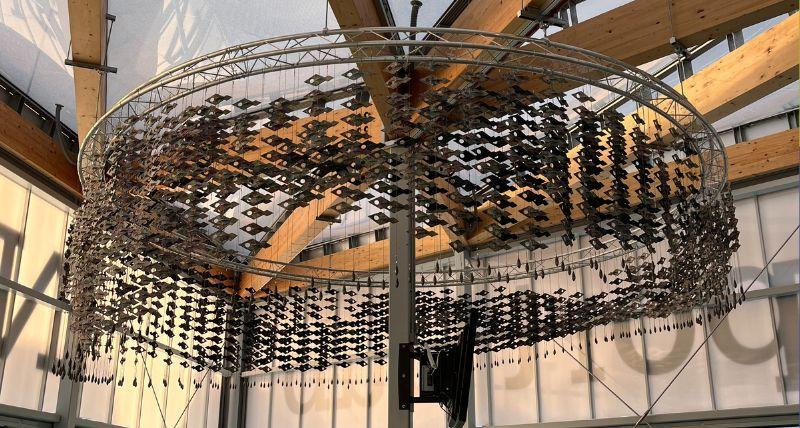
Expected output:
(30, 145)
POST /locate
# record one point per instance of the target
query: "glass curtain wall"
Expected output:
(32, 233)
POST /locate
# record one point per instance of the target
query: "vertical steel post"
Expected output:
(232, 389)
(462, 263)
(401, 295)
(232, 398)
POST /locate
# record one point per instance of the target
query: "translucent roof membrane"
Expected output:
(34, 39)
(150, 37)
(429, 13)
(589, 9)
(147, 38)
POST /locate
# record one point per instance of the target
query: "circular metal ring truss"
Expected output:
(406, 45)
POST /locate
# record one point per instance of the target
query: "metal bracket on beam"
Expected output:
(405, 376)
(679, 48)
(99, 67)
(535, 14)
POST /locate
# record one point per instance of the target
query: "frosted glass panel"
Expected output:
(480, 384)
(154, 393)
(351, 397)
(728, 138)
(787, 321)
(749, 260)
(11, 218)
(127, 396)
(27, 337)
(779, 217)
(743, 359)
(286, 400)
(258, 402)
(318, 399)
(666, 353)
(196, 414)
(96, 399)
(766, 127)
(53, 381)
(177, 394)
(513, 384)
(514, 387)
(26, 348)
(429, 415)
(620, 365)
(213, 402)
(379, 409)
(480, 377)
(426, 414)
(563, 383)
(40, 264)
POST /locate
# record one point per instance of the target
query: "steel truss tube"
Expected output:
(323, 48)
(168, 77)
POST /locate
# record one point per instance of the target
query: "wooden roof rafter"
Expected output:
(770, 63)
(88, 25)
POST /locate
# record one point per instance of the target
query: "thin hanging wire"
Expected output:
(681, 55)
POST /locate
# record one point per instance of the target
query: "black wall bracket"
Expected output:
(535, 15)
(99, 67)
(405, 374)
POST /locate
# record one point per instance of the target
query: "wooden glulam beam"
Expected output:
(30, 145)
(304, 223)
(761, 66)
(751, 161)
(767, 58)
(487, 15)
(636, 33)
(764, 158)
(495, 17)
(359, 14)
(87, 25)
(640, 31)
(636, 44)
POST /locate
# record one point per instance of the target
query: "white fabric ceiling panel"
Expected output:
(35, 40)
(428, 14)
(150, 37)
(147, 38)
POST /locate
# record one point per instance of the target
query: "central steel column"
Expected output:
(402, 263)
